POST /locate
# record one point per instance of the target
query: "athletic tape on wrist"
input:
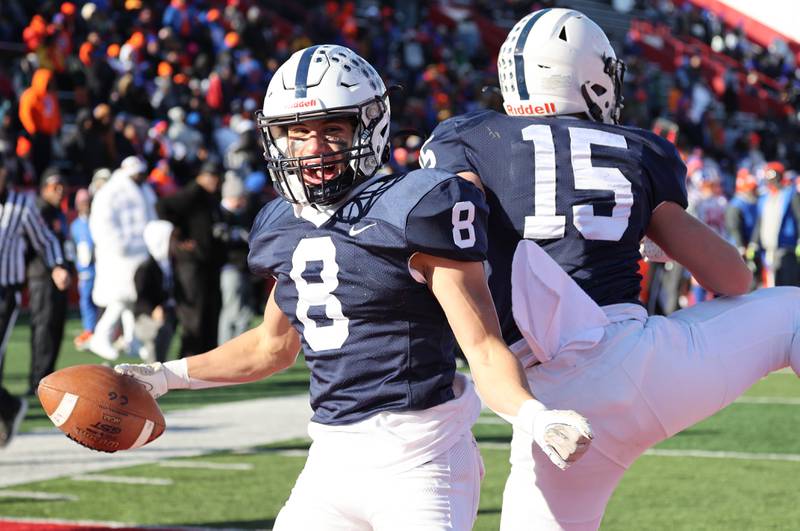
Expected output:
(527, 413)
(177, 372)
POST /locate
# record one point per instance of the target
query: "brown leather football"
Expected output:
(101, 409)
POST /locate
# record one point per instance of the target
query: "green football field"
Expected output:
(736, 470)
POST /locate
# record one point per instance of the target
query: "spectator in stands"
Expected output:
(41, 117)
(99, 178)
(180, 132)
(120, 211)
(740, 218)
(233, 231)
(193, 211)
(20, 168)
(98, 74)
(155, 302)
(709, 207)
(21, 222)
(84, 264)
(48, 301)
(78, 150)
(99, 145)
(776, 231)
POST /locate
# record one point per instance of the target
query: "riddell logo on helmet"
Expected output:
(531, 109)
(303, 103)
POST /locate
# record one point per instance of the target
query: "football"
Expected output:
(101, 409)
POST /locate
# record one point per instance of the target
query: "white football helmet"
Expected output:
(321, 82)
(558, 61)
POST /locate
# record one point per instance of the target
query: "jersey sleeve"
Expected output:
(450, 221)
(666, 172)
(445, 149)
(261, 259)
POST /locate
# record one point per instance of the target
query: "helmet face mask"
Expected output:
(324, 83)
(559, 62)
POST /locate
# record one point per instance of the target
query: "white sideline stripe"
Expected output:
(724, 455)
(292, 453)
(129, 480)
(47, 454)
(206, 465)
(36, 495)
(64, 409)
(780, 400)
(706, 454)
(494, 445)
(772, 400)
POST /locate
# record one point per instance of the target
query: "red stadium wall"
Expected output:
(661, 47)
(755, 30)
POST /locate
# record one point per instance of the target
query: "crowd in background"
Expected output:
(133, 120)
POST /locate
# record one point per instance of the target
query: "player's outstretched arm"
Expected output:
(264, 350)
(714, 263)
(460, 288)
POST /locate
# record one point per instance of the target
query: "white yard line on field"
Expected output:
(207, 465)
(777, 400)
(705, 454)
(125, 480)
(751, 456)
(37, 495)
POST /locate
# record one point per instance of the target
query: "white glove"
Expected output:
(563, 435)
(157, 378)
(651, 252)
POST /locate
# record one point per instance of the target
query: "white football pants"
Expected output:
(645, 380)
(439, 495)
(102, 342)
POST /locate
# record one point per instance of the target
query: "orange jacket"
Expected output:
(38, 109)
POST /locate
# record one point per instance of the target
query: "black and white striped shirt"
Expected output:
(20, 222)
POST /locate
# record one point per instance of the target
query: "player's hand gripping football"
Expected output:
(152, 376)
(563, 435)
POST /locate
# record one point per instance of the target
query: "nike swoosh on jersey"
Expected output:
(354, 231)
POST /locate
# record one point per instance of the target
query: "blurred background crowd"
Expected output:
(132, 122)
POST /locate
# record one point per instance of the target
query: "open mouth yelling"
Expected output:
(317, 174)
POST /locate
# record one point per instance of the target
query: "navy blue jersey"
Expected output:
(583, 191)
(374, 338)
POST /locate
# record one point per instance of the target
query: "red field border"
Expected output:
(28, 524)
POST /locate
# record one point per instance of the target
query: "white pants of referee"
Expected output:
(642, 380)
(102, 342)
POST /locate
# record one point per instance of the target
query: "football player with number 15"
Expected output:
(571, 194)
(371, 274)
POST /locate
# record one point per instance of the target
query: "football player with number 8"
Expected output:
(371, 274)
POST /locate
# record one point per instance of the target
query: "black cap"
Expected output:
(212, 167)
(51, 175)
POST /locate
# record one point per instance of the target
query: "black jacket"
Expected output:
(193, 212)
(150, 290)
(56, 221)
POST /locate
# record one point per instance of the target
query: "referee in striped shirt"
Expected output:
(20, 225)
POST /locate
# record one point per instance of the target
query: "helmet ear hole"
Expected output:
(599, 89)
